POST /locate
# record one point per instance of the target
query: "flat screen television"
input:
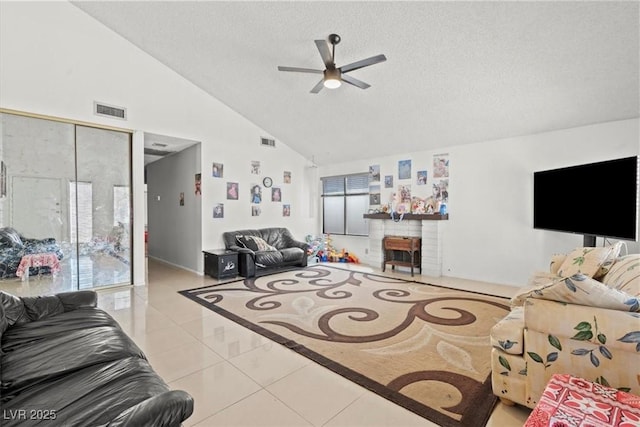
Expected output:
(596, 199)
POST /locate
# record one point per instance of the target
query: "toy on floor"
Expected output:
(321, 250)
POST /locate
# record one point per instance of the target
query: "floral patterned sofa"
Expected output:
(582, 318)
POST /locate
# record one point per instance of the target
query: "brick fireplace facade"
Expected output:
(427, 227)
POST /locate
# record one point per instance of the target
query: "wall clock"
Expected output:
(267, 182)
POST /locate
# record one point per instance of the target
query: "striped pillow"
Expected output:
(624, 274)
(254, 243)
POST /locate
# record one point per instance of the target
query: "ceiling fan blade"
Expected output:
(317, 88)
(300, 70)
(355, 82)
(325, 53)
(363, 63)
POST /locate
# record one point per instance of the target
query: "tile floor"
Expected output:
(239, 378)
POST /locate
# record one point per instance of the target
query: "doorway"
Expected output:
(174, 207)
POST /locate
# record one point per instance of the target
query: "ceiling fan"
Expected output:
(334, 76)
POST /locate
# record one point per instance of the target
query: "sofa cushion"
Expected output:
(79, 319)
(10, 237)
(58, 355)
(508, 333)
(268, 258)
(254, 243)
(624, 275)
(91, 396)
(14, 309)
(292, 254)
(42, 306)
(582, 290)
(588, 260)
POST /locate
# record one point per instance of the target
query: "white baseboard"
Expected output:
(182, 267)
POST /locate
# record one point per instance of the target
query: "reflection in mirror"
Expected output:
(103, 161)
(65, 216)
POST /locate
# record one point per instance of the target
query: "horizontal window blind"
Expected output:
(345, 200)
(333, 185)
(357, 184)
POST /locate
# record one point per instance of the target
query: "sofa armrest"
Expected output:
(291, 241)
(597, 344)
(78, 299)
(593, 326)
(302, 245)
(41, 307)
(246, 263)
(241, 250)
(168, 409)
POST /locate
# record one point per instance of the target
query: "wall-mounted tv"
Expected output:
(596, 199)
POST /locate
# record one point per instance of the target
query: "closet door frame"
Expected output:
(130, 176)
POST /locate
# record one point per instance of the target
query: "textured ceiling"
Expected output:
(456, 72)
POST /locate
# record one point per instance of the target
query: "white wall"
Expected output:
(489, 235)
(57, 61)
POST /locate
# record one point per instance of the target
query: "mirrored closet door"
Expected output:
(65, 204)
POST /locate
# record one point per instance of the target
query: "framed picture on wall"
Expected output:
(388, 181)
(374, 194)
(441, 166)
(232, 190)
(421, 178)
(255, 167)
(374, 173)
(198, 184)
(276, 194)
(218, 211)
(217, 170)
(404, 169)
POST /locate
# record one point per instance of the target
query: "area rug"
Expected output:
(421, 346)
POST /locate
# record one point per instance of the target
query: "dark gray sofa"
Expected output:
(65, 362)
(288, 252)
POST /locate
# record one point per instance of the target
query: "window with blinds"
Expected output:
(121, 212)
(80, 213)
(345, 198)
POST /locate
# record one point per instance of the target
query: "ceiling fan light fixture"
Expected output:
(332, 78)
(332, 75)
(332, 83)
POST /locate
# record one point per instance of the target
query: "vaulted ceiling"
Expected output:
(456, 72)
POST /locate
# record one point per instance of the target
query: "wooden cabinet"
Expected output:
(220, 263)
(403, 251)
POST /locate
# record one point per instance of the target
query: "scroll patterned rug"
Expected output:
(423, 347)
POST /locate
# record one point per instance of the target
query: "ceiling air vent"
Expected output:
(266, 142)
(105, 110)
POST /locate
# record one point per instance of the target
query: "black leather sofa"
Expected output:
(13, 246)
(285, 251)
(65, 362)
